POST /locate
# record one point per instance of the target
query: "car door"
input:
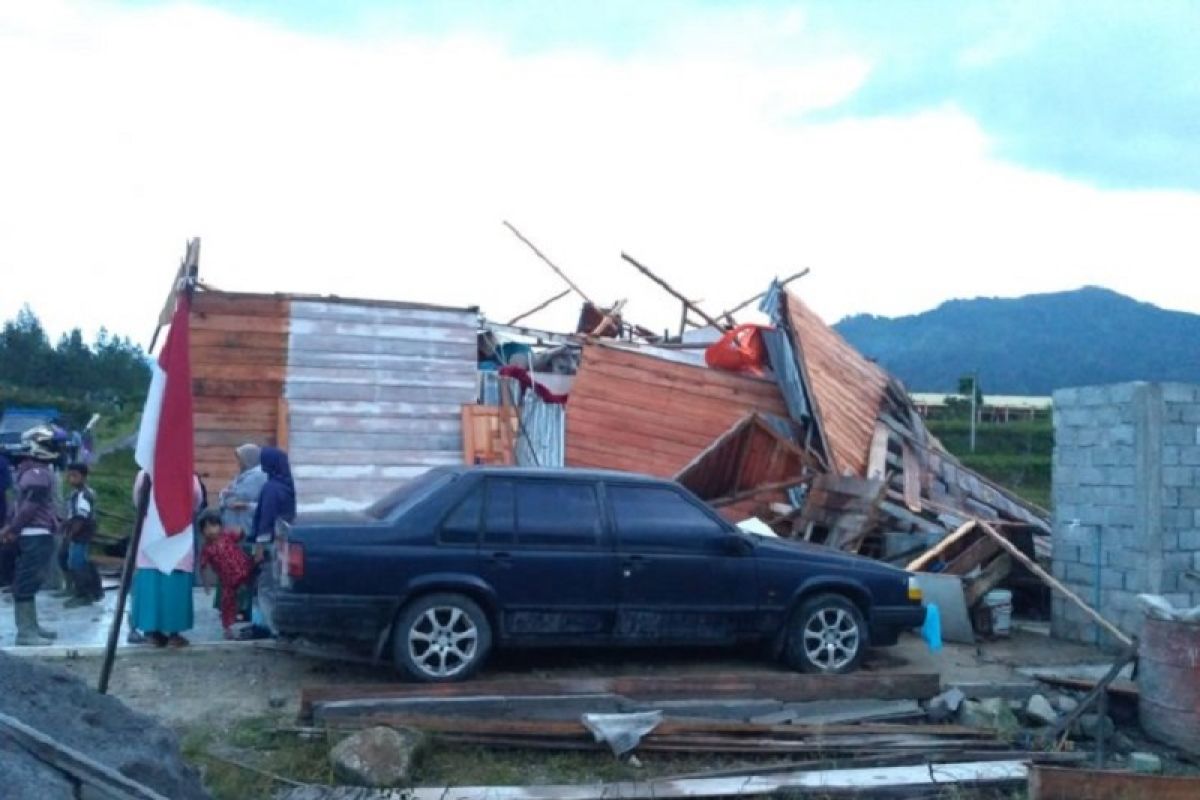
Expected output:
(680, 579)
(546, 551)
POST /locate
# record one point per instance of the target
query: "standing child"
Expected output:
(222, 553)
(80, 529)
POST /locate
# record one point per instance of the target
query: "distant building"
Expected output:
(995, 407)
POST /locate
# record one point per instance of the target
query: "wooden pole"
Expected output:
(779, 486)
(549, 263)
(114, 631)
(671, 291)
(1050, 581)
(761, 295)
(539, 307)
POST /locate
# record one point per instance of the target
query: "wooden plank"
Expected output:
(1126, 690)
(912, 478)
(756, 491)
(991, 577)
(877, 461)
(773, 685)
(1061, 783)
(873, 780)
(904, 515)
(79, 766)
(975, 554)
(1050, 581)
(935, 552)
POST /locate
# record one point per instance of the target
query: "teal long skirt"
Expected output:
(162, 603)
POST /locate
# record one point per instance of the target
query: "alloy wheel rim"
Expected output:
(831, 638)
(443, 641)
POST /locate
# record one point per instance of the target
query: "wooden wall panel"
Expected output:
(239, 364)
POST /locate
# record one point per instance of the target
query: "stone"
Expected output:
(1039, 710)
(379, 757)
(992, 713)
(1094, 726)
(945, 705)
(1146, 763)
(1065, 703)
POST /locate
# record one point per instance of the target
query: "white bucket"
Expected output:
(999, 602)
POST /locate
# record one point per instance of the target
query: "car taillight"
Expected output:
(295, 560)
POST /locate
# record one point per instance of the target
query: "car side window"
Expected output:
(500, 514)
(557, 514)
(660, 518)
(461, 525)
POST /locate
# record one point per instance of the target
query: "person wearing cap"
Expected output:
(32, 529)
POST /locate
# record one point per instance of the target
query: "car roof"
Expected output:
(565, 473)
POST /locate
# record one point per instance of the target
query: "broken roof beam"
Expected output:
(549, 263)
(540, 306)
(672, 291)
(729, 314)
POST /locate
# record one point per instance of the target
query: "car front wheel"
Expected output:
(441, 638)
(827, 634)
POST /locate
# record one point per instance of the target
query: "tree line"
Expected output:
(77, 376)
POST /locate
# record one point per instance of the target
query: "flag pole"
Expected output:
(114, 631)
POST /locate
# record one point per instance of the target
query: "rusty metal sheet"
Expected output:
(632, 411)
(1169, 683)
(1059, 783)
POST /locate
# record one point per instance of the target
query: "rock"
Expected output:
(1039, 710)
(1094, 726)
(992, 713)
(379, 757)
(1065, 703)
(1146, 763)
(945, 705)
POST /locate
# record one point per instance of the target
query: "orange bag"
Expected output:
(739, 350)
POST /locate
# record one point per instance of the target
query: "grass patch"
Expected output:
(112, 480)
(255, 742)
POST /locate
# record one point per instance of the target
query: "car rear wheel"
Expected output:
(827, 634)
(441, 638)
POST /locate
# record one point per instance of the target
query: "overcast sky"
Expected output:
(907, 152)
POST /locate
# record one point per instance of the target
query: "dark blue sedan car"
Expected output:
(462, 560)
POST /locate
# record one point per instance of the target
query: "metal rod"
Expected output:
(761, 295)
(539, 307)
(672, 291)
(549, 263)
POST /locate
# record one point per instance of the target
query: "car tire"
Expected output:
(827, 635)
(441, 638)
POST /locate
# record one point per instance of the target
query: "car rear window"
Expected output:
(557, 514)
(397, 502)
(658, 517)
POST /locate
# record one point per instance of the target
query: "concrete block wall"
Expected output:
(1126, 501)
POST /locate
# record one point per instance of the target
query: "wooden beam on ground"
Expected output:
(1060, 783)
(672, 291)
(935, 552)
(991, 577)
(729, 314)
(542, 305)
(549, 263)
(1123, 689)
(1054, 584)
(104, 780)
(785, 688)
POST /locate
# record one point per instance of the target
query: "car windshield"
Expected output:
(398, 501)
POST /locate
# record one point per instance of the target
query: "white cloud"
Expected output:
(383, 166)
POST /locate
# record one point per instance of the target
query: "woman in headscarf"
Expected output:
(237, 503)
(276, 502)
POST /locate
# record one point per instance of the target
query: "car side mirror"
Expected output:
(737, 545)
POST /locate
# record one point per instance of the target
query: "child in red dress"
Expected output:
(222, 553)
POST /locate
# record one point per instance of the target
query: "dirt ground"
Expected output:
(228, 682)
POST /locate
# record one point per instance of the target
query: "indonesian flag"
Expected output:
(165, 449)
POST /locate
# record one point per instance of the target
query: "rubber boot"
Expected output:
(27, 630)
(42, 632)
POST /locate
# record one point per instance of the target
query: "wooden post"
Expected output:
(671, 291)
(539, 307)
(114, 631)
(1050, 581)
(549, 263)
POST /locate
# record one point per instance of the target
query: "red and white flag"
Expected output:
(165, 449)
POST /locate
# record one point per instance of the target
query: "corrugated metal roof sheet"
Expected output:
(631, 411)
(375, 394)
(846, 389)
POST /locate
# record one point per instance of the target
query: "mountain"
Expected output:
(1033, 345)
